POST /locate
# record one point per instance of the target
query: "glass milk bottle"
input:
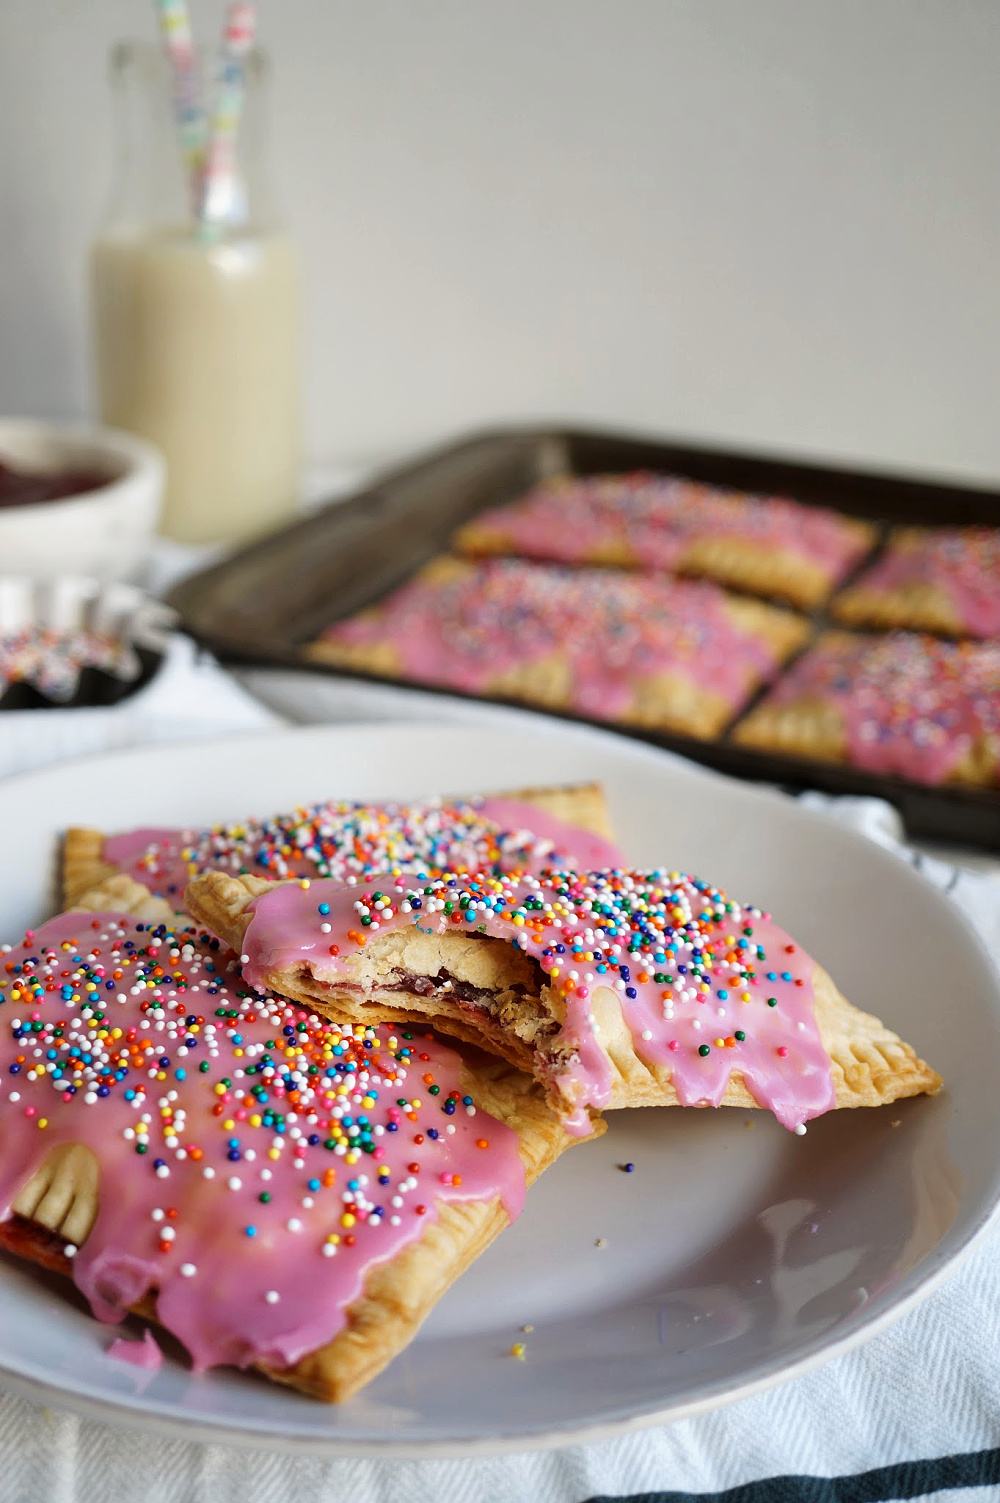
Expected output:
(196, 324)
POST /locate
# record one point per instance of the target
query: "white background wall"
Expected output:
(775, 222)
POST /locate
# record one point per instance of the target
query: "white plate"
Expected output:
(736, 1253)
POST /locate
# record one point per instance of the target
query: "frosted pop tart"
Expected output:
(765, 545)
(672, 655)
(940, 579)
(908, 705)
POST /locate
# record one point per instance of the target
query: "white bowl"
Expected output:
(105, 532)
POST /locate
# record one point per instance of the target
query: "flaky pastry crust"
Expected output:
(83, 866)
(870, 1064)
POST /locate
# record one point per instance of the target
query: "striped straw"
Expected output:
(175, 29)
(221, 186)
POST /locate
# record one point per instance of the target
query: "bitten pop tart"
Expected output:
(614, 989)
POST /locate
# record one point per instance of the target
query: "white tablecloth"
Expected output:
(916, 1410)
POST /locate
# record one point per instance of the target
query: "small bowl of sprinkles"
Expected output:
(74, 642)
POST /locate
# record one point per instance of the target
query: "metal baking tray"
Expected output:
(263, 604)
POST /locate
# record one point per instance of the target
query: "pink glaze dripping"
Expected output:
(674, 924)
(616, 631)
(912, 706)
(658, 516)
(964, 562)
(209, 1167)
(344, 839)
(145, 1353)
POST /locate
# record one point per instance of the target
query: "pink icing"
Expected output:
(151, 856)
(578, 848)
(344, 839)
(216, 1082)
(616, 630)
(690, 969)
(658, 516)
(911, 705)
(145, 1353)
(964, 562)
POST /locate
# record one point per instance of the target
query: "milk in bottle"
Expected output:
(197, 335)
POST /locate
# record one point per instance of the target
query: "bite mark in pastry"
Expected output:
(614, 989)
(276, 1190)
(905, 705)
(767, 545)
(938, 579)
(342, 838)
(634, 649)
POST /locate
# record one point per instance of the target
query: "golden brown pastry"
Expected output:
(633, 649)
(614, 989)
(937, 579)
(765, 545)
(905, 705)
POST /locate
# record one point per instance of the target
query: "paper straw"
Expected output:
(175, 29)
(220, 179)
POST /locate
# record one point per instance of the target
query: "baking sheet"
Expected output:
(263, 604)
